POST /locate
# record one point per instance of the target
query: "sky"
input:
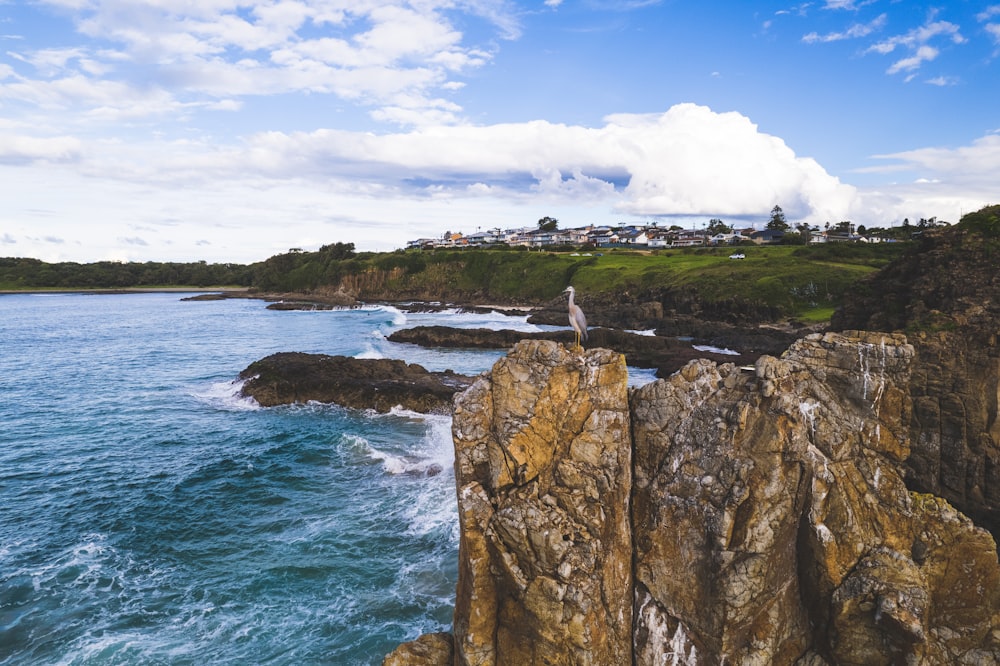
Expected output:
(231, 131)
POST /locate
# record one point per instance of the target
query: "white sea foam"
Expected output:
(87, 563)
(370, 353)
(640, 376)
(399, 318)
(225, 396)
(648, 333)
(458, 318)
(715, 350)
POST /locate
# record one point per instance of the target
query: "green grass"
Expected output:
(807, 287)
(793, 281)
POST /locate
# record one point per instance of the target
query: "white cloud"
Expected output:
(378, 53)
(686, 161)
(851, 5)
(855, 31)
(988, 13)
(923, 54)
(977, 163)
(22, 149)
(943, 81)
(943, 182)
(190, 200)
(916, 41)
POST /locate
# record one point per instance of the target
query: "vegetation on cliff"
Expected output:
(780, 281)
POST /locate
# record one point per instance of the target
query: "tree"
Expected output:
(717, 226)
(777, 221)
(548, 224)
(845, 227)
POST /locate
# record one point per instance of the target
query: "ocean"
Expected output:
(148, 515)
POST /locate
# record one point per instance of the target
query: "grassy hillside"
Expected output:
(804, 282)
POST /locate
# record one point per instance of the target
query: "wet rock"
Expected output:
(378, 384)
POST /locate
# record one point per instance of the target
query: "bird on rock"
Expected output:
(576, 318)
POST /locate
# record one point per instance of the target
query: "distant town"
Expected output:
(714, 232)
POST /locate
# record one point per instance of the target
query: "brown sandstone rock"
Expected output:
(772, 523)
(731, 517)
(543, 470)
(427, 650)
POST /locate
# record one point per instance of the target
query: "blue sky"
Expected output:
(221, 130)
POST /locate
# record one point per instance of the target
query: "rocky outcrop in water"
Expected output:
(721, 517)
(379, 384)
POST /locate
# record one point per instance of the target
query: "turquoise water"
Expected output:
(150, 516)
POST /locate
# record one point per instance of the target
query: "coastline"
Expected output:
(128, 290)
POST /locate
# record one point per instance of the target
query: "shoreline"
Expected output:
(127, 290)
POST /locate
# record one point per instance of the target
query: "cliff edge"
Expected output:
(715, 516)
(945, 295)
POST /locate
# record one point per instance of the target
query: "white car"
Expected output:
(739, 255)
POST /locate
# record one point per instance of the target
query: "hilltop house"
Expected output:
(767, 236)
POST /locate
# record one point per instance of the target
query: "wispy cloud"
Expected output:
(851, 5)
(916, 41)
(943, 81)
(923, 54)
(988, 13)
(855, 31)
(991, 27)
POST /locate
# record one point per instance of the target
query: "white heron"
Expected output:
(576, 318)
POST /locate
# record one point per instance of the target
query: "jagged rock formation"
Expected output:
(772, 523)
(379, 384)
(945, 294)
(763, 519)
(542, 465)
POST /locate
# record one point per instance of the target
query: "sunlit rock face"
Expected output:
(771, 522)
(543, 469)
(722, 515)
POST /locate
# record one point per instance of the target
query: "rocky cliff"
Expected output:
(945, 294)
(543, 471)
(717, 516)
(772, 524)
